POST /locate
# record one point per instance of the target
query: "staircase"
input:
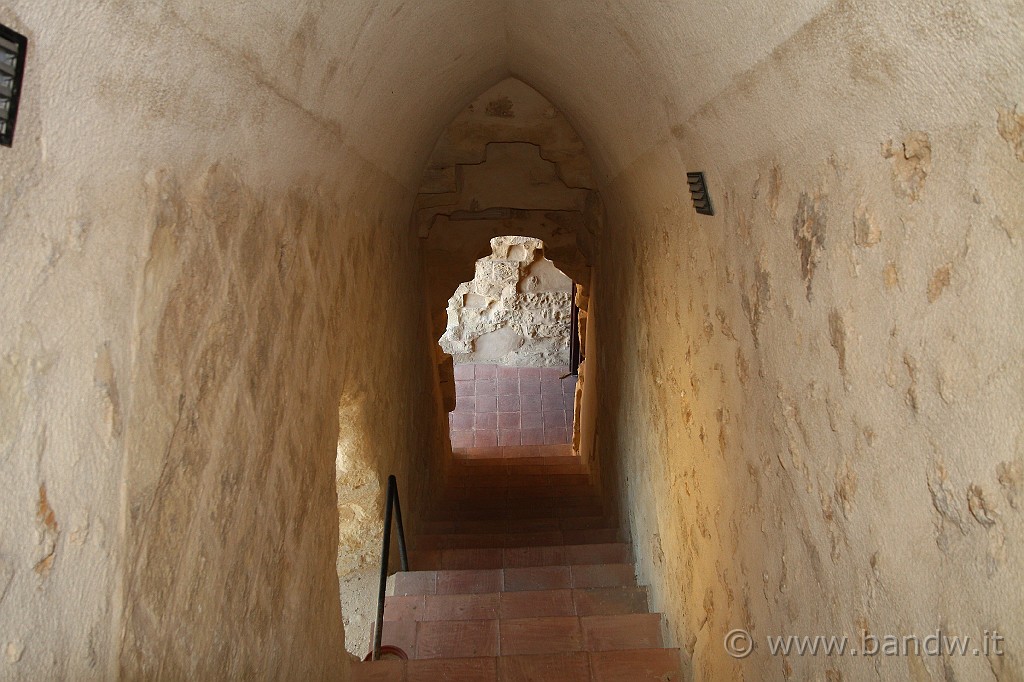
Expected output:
(520, 576)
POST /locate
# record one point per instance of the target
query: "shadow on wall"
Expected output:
(516, 311)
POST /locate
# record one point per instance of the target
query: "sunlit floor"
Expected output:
(509, 406)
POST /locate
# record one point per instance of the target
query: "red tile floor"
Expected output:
(508, 406)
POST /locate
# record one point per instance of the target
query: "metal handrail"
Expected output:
(392, 501)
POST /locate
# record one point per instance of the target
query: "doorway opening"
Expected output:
(510, 334)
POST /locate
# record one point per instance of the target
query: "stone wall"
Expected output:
(187, 244)
(515, 311)
(810, 403)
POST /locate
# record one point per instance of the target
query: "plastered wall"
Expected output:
(186, 251)
(812, 400)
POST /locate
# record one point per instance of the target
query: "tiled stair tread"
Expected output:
(472, 504)
(468, 480)
(520, 557)
(629, 665)
(481, 526)
(603, 601)
(516, 494)
(497, 539)
(519, 636)
(515, 472)
(514, 579)
(523, 513)
(521, 575)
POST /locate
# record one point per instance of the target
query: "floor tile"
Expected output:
(603, 575)
(457, 639)
(536, 603)
(532, 420)
(461, 607)
(471, 559)
(462, 439)
(452, 670)
(532, 436)
(415, 582)
(508, 386)
(639, 665)
(461, 421)
(508, 403)
(509, 420)
(531, 403)
(631, 631)
(378, 671)
(564, 667)
(509, 437)
(469, 582)
(486, 420)
(607, 601)
(403, 608)
(537, 578)
(540, 635)
(508, 372)
(485, 438)
(401, 634)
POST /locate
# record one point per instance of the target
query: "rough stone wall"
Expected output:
(185, 268)
(811, 402)
(515, 311)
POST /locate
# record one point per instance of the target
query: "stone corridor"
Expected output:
(229, 236)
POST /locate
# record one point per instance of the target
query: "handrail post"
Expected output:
(390, 501)
(403, 553)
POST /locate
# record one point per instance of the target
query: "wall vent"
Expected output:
(699, 193)
(12, 68)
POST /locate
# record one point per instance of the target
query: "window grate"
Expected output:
(699, 193)
(12, 68)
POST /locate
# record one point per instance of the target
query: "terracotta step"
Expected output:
(548, 504)
(506, 492)
(630, 665)
(518, 470)
(472, 479)
(514, 513)
(601, 601)
(488, 526)
(498, 539)
(513, 579)
(520, 557)
(522, 636)
(514, 452)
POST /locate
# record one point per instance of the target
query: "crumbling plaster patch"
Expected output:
(515, 311)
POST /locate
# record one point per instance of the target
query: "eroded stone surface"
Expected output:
(515, 311)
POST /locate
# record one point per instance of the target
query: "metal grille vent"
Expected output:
(699, 193)
(12, 68)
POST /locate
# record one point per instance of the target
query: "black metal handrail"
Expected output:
(391, 502)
